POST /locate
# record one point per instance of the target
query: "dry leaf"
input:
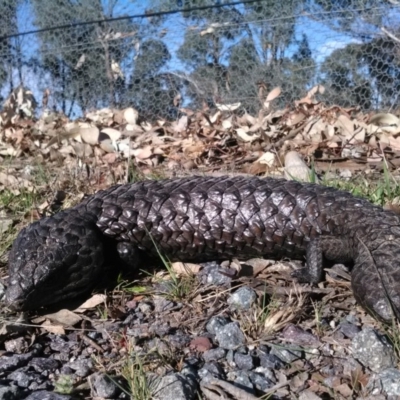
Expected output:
(345, 390)
(112, 133)
(314, 90)
(131, 115)
(268, 158)
(147, 126)
(181, 268)
(385, 120)
(89, 135)
(64, 317)
(108, 146)
(7, 150)
(5, 223)
(358, 136)
(273, 94)
(227, 124)
(391, 141)
(110, 158)
(181, 125)
(228, 107)
(296, 168)
(144, 153)
(8, 180)
(82, 149)
(133, 130)
(241, 132)
(94, 301)
(346, 125)
(55, 329)
(258, 265)
(295, 118)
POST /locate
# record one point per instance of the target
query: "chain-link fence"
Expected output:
(162, 55)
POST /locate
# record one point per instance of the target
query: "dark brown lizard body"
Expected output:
(203, 218)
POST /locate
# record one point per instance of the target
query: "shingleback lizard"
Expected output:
(209, 218)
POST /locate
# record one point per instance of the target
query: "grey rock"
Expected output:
(145, 308)
(22, 378)
(94, 335)
(352, 318)
(349, 330)
(45, 395)
(242, 381)
(160, 328)
(260, 380)
(178, 340)
(268, 360)
(140, 331)
(10, 393)
(104, 386)
(41, 364)
(215, 324)
(373, 350)
(159, 345)
(350, 365)
(18, 345)
(211, 369)
(214, 354)
(58, 343)
(287, 354)
(190, 372)
(82, 368)
(244, 361)
(213, 274)
(192, 361)
(2, 288)
(130, 319)
(46, 385)
(267, 373)
(175, 387)
(386, 381)
(230, 358)
(10, 362)
(161, 304)
(242, 350)
(243, 298)
(65, 370)
(295, 334)
(139, 315)
(230, 336)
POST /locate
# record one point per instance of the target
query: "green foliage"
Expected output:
(378, 192)
(346, 83)
(64, 384)
(141, 384)
(79, 59)
(243, 41)
(151, 90)
(365, 71)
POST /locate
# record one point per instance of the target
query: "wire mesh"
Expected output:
(162, 55)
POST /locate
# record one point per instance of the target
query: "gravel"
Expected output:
(180, 348)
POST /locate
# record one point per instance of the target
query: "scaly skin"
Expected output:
(204, 218)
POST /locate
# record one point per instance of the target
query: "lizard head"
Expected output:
(376, 276)
(51, 260)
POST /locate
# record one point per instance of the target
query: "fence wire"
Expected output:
(200, 53)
